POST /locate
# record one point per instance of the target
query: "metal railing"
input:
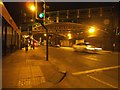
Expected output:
(81, 13)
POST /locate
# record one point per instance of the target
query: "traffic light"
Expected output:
(41, 15)
(40, 12)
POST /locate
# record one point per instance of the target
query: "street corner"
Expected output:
(52, 73)
(61, 68)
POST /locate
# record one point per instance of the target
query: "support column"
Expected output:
(78, 14)
(67, 14)
(101, 12)
(11, 46)
(57, 18)
(89, 12)
(5, 40)
(15, 40)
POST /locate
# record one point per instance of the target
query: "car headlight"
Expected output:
(90, 48)
(98, 48)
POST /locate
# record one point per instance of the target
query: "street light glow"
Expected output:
(1, 3)
(45, 34)
(69, 36)
(92, 30)
(32, 7)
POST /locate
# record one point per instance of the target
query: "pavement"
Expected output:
(30, 69)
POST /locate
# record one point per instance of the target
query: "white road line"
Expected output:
(103, 82)
(94, 59)
(67, 48)
(95, 70)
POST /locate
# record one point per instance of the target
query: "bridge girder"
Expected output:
(62, 27)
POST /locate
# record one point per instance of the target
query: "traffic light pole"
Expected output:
(46, 41)
(42, 22)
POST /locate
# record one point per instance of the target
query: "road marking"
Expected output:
(95, 70)
(67, 48)
(103, 82)
(94, 59)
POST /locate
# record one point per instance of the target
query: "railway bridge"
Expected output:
(65, 26)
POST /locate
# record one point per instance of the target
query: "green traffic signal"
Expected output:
(41, 15)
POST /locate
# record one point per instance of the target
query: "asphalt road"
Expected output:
(85, 70)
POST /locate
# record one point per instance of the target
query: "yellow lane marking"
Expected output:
(95, 70)
(103, 82)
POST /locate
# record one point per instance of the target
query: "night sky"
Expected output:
(15, 8)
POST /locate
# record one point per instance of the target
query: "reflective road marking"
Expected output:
(94, 59)
(102, 82)
(95, 70)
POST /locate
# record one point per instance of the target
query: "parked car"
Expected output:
(86, 47)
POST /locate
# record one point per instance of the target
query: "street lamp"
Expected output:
(31, 7)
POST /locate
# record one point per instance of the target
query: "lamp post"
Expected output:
(47, 35)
